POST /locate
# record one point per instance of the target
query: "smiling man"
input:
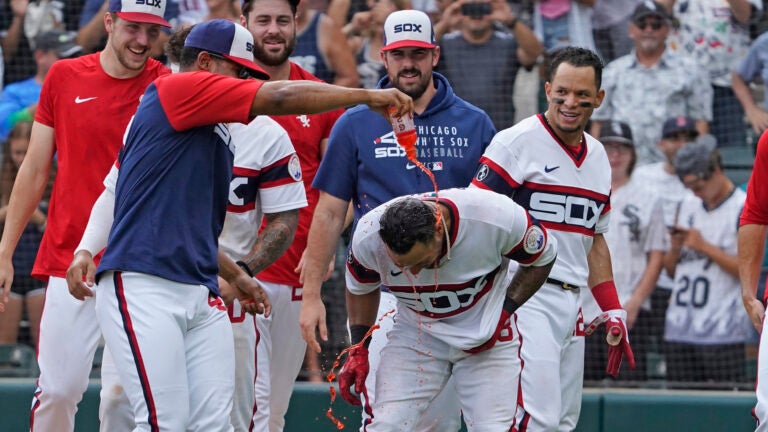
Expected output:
(562, 176)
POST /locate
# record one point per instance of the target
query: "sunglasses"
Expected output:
(655, 24)
(242, 71)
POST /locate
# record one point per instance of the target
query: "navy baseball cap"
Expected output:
(408, 28)
(677, 124)
(650, 8)
(140, 11)
(697, 157)
(616, 132)
(58, 41)
(227, 39)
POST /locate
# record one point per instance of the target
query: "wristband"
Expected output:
(605, 295)
(357, 333)
(510, 305)
(245, 268)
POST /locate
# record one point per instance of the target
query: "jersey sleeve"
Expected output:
(499, 169)
(337, 174)
(530, 243)
(45, 105)
(201, 98)
(756, 206)
(361, 278)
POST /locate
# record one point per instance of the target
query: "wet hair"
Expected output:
(175, 44)
(406, 222)
(578, 57)
(247, 6)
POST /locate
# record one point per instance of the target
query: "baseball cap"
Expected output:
(649, 8)
(58, 41)
(697, 157)
(618, 132)
(408, 28)
(140, 11)
(227, 39)
(677, 124)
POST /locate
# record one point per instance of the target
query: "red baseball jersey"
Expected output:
(306, 132)
(89, 111)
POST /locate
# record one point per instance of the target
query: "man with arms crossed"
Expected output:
(84, 107)
(561, 175)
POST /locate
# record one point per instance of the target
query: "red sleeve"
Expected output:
(201, 98)
(44, 113)
(756, 207)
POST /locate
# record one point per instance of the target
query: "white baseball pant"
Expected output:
(173, 348)
(244, 332)
(761, 409)
(443, 413)
(415, 368)
(552, 349)
(69, 336)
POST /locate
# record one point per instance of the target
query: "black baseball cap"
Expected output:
(677, 124)
(650, 8)
(616, 132)
(58, 41)
(697, 157)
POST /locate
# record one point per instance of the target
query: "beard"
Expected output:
(415, 90)
(274, 58)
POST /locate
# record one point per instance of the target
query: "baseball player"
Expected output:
(84, 107)
(446, 260)
(751, 248)
(706, 326)
(564, 180)
(166, 347)
(280, 348)
(368, 167)
(637, 239)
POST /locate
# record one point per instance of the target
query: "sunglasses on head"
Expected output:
(242, 71)
(655, 24)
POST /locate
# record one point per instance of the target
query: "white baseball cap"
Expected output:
(408, 28)
(140, 11)
(227, 39)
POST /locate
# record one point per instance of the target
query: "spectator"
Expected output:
(482, 61)
(562, 23)
(754, 65)
(610, 20)
(27, 291)
(661, 177)
(19, 100)
(651, 84)
(364, 34)
(321, 48)
(635, 237)
(715, 35)
(706, 324)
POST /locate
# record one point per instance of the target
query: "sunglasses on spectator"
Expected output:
(242, 71)
(655, 24)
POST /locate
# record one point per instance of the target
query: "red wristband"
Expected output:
(606, 296)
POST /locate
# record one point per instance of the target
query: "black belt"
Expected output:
(563, 285)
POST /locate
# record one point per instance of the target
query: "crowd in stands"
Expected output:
(683, 83)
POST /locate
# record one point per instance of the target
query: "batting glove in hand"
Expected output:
(617, 338)
(354, 371)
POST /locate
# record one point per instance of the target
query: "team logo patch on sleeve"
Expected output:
(482, 172)
(533, 240)
(294, 168)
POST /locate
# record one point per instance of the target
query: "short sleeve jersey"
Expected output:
(756, 206)
(569, 193)
(460, 300)
(88, 111)
(175, 171)
(307, 133)
(266, 178)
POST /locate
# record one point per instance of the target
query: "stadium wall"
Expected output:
(602, 410)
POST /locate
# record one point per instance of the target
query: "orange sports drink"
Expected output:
(405, 132)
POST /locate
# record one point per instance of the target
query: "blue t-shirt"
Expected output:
(175, 169)
(16, 97)
(365, 164)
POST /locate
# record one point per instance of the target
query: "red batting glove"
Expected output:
(354, 371)
(617, 338)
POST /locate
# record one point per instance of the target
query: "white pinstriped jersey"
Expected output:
(706, 306)
(266, 177)
(636, 228)
(672, 191)
(460, 301)
(568, 193)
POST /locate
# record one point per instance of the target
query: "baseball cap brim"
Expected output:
(617, 139)
(256, 71)
(408, 44)
(140, 17)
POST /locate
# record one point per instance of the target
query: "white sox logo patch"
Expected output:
(533, 240)
(294, 168)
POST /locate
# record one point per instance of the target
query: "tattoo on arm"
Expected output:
(527, 281)
(273, 241)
